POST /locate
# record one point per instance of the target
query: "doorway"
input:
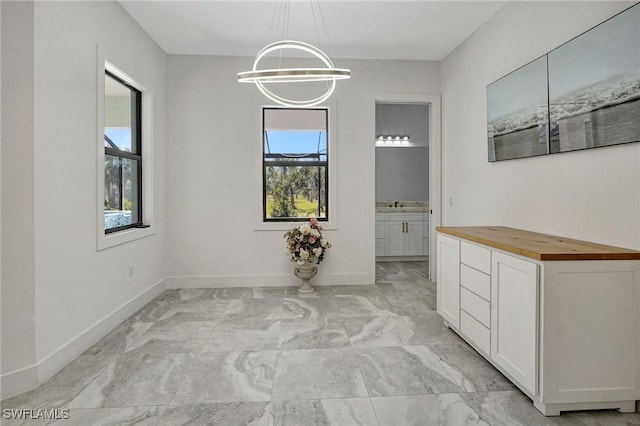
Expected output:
(407, 137)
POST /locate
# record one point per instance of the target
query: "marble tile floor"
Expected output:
(345, 355)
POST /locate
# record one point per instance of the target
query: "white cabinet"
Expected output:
(514, 317)
(401, 234)
(381, 234)
(426, 235)
(448, 284)
(590, 334)
(405, 237)
(395, 238)
(405, 234)
(414, 238)
(564, 326)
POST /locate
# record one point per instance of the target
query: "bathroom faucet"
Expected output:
(396, 204)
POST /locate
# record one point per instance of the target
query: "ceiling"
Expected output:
(413, 30)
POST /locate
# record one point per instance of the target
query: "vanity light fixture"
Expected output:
(264, 76)
(397, 141)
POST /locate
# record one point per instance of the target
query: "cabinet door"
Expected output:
(448, 258)
(514, 318)
(395, 238)
(414, 238)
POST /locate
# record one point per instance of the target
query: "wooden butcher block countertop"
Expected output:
(538, 246)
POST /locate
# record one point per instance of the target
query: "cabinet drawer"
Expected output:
(476, 281)
(475, 332)
(381, 229)
(475, 306)
(476, 257)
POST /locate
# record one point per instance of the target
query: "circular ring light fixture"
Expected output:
(294, 75)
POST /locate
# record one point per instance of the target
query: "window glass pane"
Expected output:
(295, 192)
(120, 137)
(121, 206)
(298, 145)
(120, 111)
(130, 188)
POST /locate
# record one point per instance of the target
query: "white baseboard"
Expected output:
(218, 281)
(17, 382)
(401, 258)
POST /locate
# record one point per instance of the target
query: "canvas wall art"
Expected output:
(584, 94)
(594, 86)
(517, 107)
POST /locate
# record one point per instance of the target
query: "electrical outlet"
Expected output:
(130, 274)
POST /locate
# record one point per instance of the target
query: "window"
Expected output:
(295, 164)
(122, 155)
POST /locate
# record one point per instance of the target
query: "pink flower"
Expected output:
(313, 221)
(311, 240)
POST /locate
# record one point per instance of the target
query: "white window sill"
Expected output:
(285, 226)
(106, 241)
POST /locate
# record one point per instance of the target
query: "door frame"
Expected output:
(435, 161)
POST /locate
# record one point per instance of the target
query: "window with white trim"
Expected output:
(122, 155)
(295, 164)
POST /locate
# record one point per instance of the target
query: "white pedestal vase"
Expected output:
(305, 272)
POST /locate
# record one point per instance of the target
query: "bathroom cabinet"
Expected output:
(402, 234)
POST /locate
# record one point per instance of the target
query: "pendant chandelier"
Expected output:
(262, 77)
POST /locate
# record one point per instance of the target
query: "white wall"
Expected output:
(402, 174)
(18, 251)
(408, 119)
(591, 195)
(215, 179)
(79, 292)
(75, 285)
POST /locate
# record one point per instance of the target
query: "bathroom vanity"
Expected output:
(559, 317)
(402, 231)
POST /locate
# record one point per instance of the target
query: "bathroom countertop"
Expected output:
(402, 207)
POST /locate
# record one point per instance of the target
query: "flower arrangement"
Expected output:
(305, 244)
